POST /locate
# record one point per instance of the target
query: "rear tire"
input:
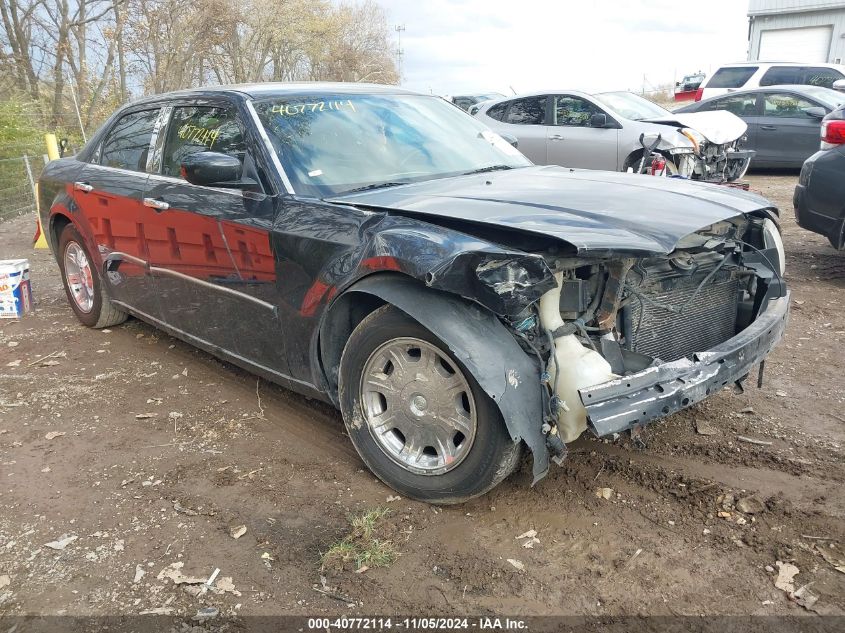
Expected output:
(84, 287)
(417, 417)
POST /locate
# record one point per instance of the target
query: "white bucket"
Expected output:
(15, 288)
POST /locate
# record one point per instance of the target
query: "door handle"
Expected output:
(158, 205)
(768, 128)
(84, 187)
(556, 137)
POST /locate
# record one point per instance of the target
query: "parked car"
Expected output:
(385, 252)
(819, 198)
(609, 131)
(761, 74)
(783, 121)
(464, 102)
(686, 88)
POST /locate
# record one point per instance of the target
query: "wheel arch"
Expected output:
(509, 376)
(628, 161)
(58, 221)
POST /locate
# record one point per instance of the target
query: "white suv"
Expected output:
(755, 74)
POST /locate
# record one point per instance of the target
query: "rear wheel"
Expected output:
(416, 416)
(83, 285)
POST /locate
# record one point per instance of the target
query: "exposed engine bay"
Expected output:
(608, 320)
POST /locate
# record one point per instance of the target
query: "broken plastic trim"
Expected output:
(506, 283)
(661, 390)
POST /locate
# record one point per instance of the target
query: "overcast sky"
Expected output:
(465, 46)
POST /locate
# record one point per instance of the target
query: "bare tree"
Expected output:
(17, 44)
(108, 50)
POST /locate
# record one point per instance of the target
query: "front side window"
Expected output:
(782, 75)
(573, 111)
(331, 144)
(127, 144)
(195, 129)
(823, 77)
(531, 111)
(740, 105)
(785, 105)
(731, 77)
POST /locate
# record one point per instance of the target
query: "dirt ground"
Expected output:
(150, 452)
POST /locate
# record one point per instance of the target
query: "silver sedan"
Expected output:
(609, 131)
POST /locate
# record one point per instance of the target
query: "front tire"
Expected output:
(416, 416)
(83, 285)
(633, 162)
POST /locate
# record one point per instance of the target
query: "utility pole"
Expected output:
(399, 52)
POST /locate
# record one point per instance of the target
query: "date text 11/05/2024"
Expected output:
(485, 623)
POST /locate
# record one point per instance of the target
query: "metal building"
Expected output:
(796, 31)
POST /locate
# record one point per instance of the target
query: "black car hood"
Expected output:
(594, 211)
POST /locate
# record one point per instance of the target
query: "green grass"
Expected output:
(362, 546)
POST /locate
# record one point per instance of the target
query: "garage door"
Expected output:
(796, 45)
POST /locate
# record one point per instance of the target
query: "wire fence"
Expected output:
(17, 185)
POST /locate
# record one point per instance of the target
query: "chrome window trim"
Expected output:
(269, 146)
(181, 181)
(157, 140)
(120, 170)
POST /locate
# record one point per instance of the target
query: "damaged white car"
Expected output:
(614, 131)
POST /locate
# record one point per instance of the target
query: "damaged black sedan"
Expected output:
(385, 252)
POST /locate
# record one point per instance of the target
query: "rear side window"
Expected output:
(740, 105)
(530, 111)
(823, 77)
(127, 144)
(780, 75)
(731, 77)
(498, 111)
(198, 129)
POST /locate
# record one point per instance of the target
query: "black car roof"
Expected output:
(281, 89)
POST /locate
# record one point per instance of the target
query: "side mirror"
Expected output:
(816, 112)
(839, 84)
(599, 119)
(212, 169)
(510, 138)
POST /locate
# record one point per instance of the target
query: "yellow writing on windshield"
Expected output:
(199, 134)
(292, 109)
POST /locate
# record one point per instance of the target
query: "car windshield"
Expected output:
(332, 144)
(631, 106)
(830, 98)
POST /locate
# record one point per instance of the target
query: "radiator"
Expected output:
(709, 319)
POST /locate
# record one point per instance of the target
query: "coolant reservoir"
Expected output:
(579, 367)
